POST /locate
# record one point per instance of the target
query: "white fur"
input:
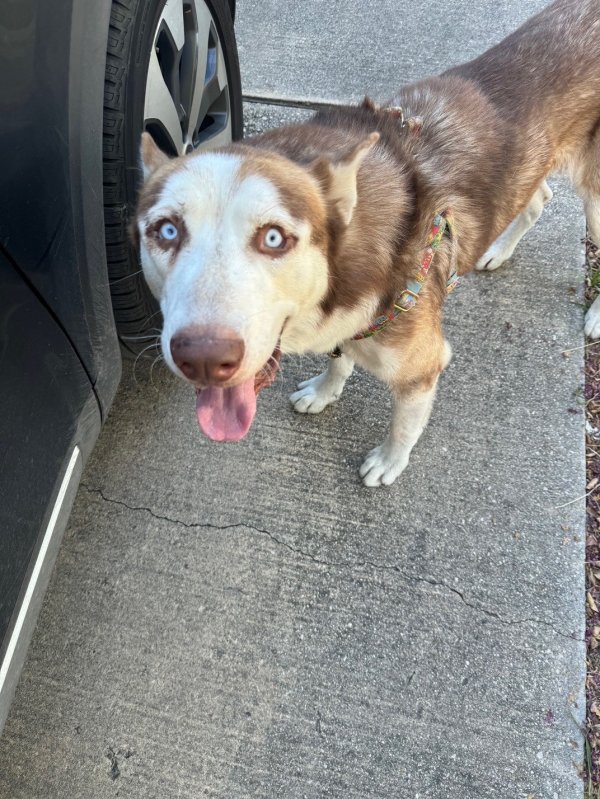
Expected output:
(384, 464)
(504, 246)
(592, 213)
(387, 462)
(322, 390)
(317, 393)
(218, 278)
(592, 320)
(315, 333)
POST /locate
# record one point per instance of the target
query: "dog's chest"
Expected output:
(319, 332)
(382, 361)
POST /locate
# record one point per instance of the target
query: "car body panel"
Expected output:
(51, 110)
(47, 412)
(60, 362)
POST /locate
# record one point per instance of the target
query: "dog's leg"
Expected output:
(505, 244)
(592, 214)
(411, 413)
(317, 393)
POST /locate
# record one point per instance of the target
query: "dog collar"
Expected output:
(408, 298)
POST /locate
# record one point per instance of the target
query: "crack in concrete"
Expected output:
(336, 564)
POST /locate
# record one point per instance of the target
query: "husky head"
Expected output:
(234, 245)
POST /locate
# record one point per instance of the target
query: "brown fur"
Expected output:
(489, 131)
(299, 192)
(479, 140)
(152, 188)
(359, 261)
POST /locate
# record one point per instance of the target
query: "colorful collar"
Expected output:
(408, 298)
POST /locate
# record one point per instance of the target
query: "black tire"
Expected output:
(132, 29)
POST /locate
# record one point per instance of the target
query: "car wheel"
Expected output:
(171, 69)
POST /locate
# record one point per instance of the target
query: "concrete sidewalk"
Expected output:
(249, 621)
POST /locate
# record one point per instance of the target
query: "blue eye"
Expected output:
(273, 238)
(168, 231)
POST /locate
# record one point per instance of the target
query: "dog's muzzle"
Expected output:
(210, 357)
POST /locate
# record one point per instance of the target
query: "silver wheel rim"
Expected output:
(187, 101)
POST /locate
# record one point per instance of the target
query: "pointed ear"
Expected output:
(340, 183)
(151, 157)
(369, 104)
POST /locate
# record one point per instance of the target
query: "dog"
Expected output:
(344, 234)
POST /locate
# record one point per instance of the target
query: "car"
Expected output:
(80, 80)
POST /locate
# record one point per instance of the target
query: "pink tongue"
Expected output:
(225, 414)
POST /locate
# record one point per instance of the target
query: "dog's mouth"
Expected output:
(226, 414)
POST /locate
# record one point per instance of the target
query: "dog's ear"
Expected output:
(151, 156)
(369, 104)
(338, 178)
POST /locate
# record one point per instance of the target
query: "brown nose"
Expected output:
(207, 355)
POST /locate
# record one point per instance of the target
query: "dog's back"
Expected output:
(496, 126)
(549, 67)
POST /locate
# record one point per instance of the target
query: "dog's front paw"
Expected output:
(382, 466)
(495, 256)
(316, 394)
(592, 320)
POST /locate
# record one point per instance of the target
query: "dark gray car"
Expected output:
(79, 81)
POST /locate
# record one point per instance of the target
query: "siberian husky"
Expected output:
(344, 234)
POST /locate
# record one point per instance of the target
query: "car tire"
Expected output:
(156, 46)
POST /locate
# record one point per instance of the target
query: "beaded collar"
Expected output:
(442, 222)
(408, 298)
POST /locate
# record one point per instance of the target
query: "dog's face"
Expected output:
(234, 246)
